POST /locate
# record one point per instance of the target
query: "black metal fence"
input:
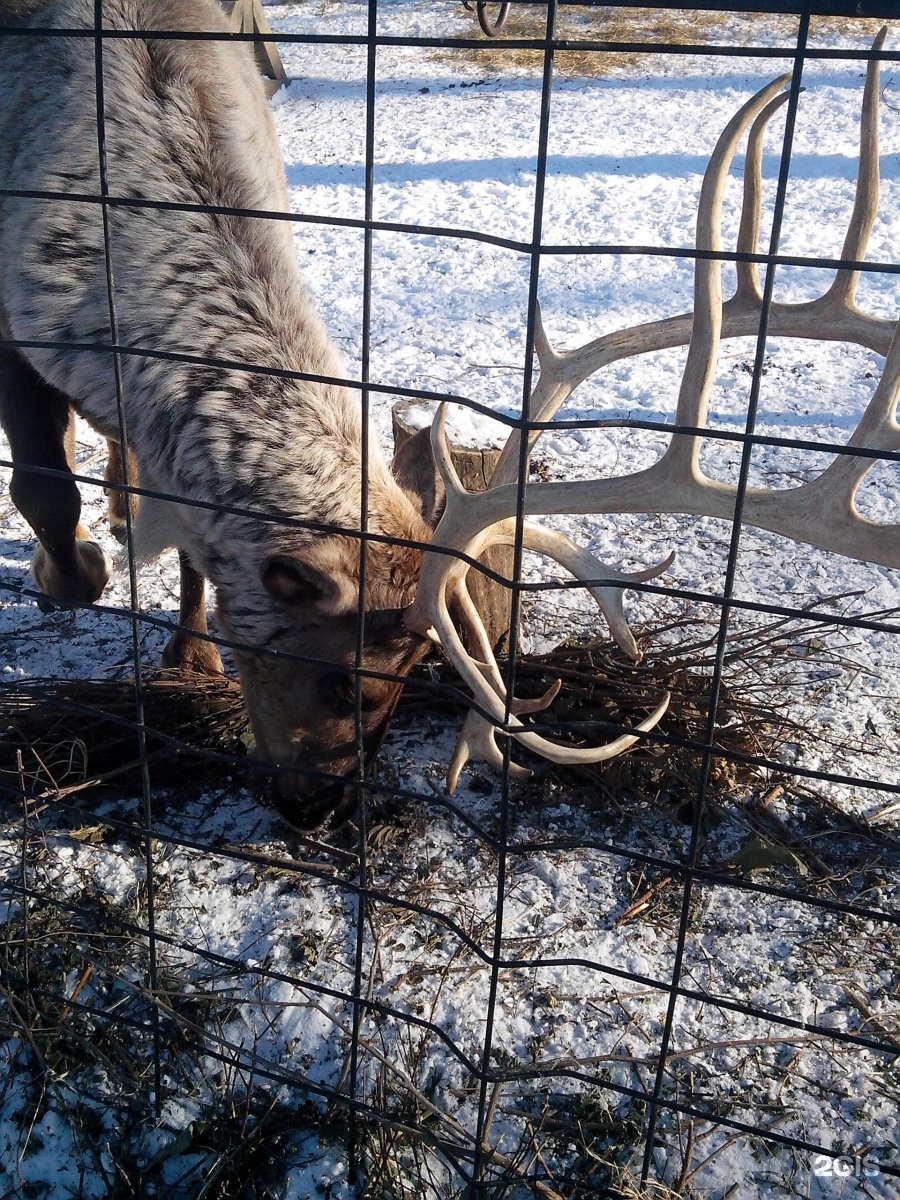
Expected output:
(425, 1009)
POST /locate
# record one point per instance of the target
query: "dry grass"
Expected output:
(60, 737)
(633, 28)
(83, 1054)
(65, 737)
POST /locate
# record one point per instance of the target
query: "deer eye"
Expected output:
(338, 690)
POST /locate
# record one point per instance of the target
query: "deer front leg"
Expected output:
(119, 501)
(67, 566)
(184, 651)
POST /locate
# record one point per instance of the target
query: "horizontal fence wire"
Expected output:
(493, 1116)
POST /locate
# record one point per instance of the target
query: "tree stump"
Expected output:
(475, 466)
(247, 16)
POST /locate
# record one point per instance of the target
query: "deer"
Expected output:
(178, 325)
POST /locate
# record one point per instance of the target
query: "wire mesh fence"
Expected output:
(253, 942)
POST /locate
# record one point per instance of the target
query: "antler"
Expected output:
(675, 483)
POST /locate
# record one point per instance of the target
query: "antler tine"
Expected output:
(748, 292)
(561, 371)
(549, 395)
(478, 740)
(842, 292)
(683, 454)
(440, 447)
(585, 567)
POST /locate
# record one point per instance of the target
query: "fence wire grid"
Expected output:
(672, 974)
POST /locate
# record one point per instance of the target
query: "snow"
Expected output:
(260, 957)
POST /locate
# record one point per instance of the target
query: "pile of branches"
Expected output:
(605, 692)
(59, 737)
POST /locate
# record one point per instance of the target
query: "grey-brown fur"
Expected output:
(188, 123)
(12, 11)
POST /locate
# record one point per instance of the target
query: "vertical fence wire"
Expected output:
(746, 444)
(523, 427)
(122, 430)
(363, 902)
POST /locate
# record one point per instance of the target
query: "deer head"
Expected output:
(321, 686)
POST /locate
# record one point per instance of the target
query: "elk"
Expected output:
(149, 319)
(821, 512)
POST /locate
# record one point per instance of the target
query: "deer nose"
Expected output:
(307, 803)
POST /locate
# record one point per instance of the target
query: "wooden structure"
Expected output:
(247, 16)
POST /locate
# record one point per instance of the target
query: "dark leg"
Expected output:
(184, 651)
(38, 421)
(119, 500)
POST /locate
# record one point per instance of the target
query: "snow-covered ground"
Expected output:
(258, 957)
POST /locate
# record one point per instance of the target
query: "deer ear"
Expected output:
(313, 579)
(414, 469)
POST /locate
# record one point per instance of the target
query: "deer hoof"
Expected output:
(191, 655)
(93, 569)
(118, 529)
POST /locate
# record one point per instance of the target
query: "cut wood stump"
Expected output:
(247, 16)
(475, 466)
